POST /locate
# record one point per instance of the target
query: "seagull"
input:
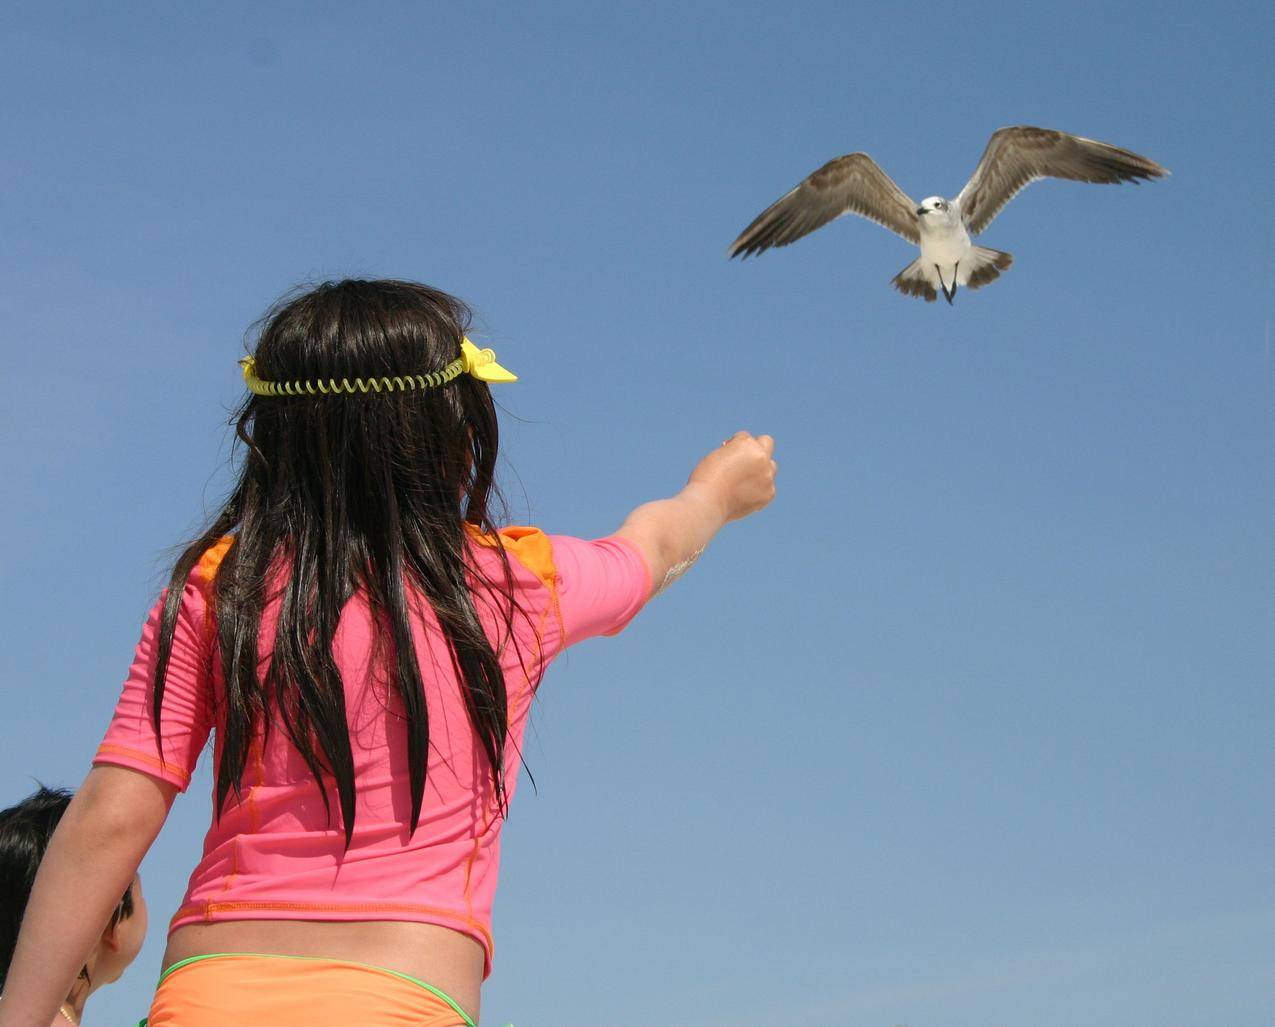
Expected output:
(1015, 157)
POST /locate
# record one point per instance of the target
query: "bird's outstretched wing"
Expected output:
(852, 184)
(1018, 156)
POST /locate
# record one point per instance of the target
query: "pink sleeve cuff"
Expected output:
(648, 586)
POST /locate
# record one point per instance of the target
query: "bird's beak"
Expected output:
(920, 211)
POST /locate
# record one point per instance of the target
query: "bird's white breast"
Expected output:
(942, 242)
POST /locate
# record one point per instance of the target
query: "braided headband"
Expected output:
(479, 363)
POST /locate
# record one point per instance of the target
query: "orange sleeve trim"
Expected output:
(108, 749)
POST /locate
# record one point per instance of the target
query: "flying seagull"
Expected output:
(1014, 158)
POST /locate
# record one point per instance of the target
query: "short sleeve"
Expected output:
(186, 712)
(601, 585)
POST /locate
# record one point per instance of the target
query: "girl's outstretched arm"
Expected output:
(91, 861)
(733, 481)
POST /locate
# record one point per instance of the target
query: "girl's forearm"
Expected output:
(91, 861)
(734, 480)
(672, 533)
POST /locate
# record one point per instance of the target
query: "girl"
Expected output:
(25, 830)
(366, 644)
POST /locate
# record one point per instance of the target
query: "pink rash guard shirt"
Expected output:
(276, 854)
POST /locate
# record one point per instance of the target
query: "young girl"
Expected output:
(366, 644)
(25, 830)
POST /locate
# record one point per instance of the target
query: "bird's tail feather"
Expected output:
(914, 280)
(982, 266)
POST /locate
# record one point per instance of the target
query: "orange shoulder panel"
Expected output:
(529, 546)
(206, 568)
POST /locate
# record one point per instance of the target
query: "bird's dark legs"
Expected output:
(943, 285)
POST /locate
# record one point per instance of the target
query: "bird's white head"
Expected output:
(935, 211)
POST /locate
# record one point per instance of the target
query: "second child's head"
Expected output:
(25, 830)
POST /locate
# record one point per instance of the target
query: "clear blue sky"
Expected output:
(972, 726)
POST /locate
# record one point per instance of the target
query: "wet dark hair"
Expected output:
(338, 494)
(25, 830)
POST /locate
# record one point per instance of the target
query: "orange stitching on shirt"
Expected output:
(254, 817)
(259, 764)
(234, 872)
(555, 604)
(469, 869)
(109, 748)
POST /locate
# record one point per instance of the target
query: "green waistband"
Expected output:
(367, 966)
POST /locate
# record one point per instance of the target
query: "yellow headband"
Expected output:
(479, 363)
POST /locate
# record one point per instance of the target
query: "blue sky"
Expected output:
(972, 725)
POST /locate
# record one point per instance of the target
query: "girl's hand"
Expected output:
(740, 473)
(733, 481)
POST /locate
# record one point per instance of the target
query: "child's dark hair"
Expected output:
(25, 830)
(353, 493)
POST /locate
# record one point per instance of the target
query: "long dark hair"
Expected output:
(347, 493)
(25, 830)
